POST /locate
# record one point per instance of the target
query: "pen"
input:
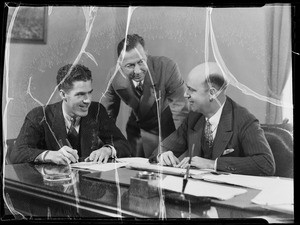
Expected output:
(69, 144)
(187, 170)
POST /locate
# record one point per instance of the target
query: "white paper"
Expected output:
(98, 166)
(166, 169)
(132, 160)
(278, 197)
(256, 182)
(201, 188)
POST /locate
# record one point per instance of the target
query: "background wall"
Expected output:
(175, 32)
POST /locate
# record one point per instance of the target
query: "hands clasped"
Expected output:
(169, 159)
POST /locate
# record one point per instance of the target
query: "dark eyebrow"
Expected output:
(83, 93)
(190, 88)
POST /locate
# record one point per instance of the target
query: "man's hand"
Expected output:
(101, 155)
(202, 163)
(198, 162)
(64, 156)
(168, 159)
(184, 163)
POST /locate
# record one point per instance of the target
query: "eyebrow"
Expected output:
(82, 92)
(190, 88)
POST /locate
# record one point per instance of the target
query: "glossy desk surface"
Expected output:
(34, 191)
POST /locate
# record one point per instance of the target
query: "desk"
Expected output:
(29, 194)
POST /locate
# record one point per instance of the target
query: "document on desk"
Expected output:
(132, 160)
(256, 182)
(201, 188)
(279, 197)
(97, 166)
(166, 169)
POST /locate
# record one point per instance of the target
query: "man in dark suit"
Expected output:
(75, 127)
(225, 136)
(138, 80)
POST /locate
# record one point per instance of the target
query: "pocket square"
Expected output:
(227, 151)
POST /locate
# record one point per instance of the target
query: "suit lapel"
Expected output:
(88, 132)
(58, 123)
(196, 134)
(148, 99)
(224, 131)
(125, 89)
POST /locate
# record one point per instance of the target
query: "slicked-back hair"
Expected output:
(131, 42)
(79, 73)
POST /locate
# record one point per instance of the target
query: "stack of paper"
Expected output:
(97, 166)
(166, 169)
(279, 197)
(277, 193)
(201, 188)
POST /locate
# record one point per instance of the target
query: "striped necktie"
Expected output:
(208, 134)
(139, 89)
(73, 135)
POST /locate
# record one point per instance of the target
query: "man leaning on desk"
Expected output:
(226, 136)
(73, 128)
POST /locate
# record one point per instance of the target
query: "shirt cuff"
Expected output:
(215, 165)
(41, 157)
(157, 157)
(113, 151)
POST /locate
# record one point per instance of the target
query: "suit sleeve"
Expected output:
(176, 142)
(175, 89)
(30, 141)
(256, 158)
(110, 134)
(111, 101)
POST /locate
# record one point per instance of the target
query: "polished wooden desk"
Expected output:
(30, 192)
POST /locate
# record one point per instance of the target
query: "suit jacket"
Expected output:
(239, 144)
(45, 126)
(167, 79)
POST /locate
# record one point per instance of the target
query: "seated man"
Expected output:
(225, 136)
(75, 127)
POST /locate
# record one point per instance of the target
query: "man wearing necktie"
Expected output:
(137, 80)
(226, 136)
(73, 128)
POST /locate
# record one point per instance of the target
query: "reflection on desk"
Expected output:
(83, 196)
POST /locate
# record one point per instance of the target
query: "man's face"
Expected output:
(78, 99)
(134, 63)
(197, 95)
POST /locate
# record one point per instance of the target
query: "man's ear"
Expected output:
(212, 94)
(62, 94)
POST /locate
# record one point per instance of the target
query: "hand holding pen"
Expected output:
(69, 154)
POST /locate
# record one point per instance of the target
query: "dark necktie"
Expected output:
(208, 134)
(139, 89)
(73, 135)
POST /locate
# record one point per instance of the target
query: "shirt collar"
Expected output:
(214, 120)
(68, 118)
(136, 83)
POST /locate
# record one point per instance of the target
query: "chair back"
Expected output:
(282, 146)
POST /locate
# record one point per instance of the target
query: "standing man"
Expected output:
(225, 135)
(75, 127)
(140, 75)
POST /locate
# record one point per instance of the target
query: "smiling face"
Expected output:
(78, 99)
(134, 63)
(197, 94)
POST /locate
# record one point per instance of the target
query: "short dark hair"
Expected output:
(79, 73)
(131, 41)
(216, 80)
